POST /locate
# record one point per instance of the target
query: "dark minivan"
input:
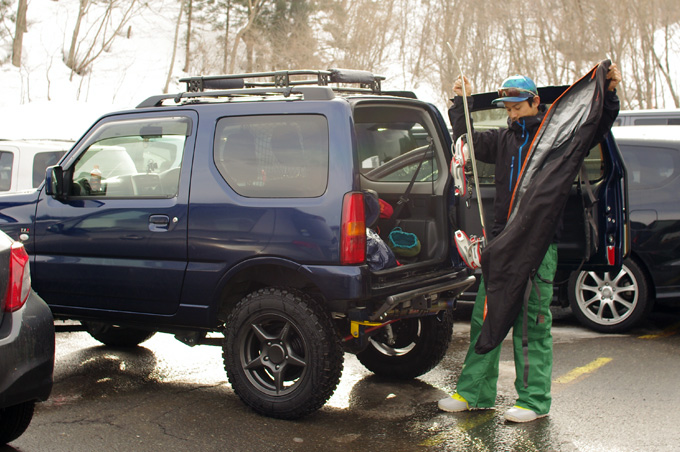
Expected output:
(615, 302)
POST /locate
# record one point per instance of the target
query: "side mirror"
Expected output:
(54, 181)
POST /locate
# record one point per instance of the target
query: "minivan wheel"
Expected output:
(610, 302)
(116, 336)
(14, 421)
(281, 353)
(408, 348)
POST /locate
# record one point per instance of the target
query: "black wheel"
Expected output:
(14, 421)
(281, 353)
(408, 348)
(116, 336)
(610, 302)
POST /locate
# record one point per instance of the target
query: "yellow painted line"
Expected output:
(580, 371)
(670, 331)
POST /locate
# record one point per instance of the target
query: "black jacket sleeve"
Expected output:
(610, 110)
(486, 142)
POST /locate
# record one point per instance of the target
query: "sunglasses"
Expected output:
(514, 92)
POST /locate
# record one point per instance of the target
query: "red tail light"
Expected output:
(19, 278)
(353, 232)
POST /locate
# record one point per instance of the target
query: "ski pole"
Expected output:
(470, 143)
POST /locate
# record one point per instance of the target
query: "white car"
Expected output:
(23, 163)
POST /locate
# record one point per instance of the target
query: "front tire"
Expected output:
(116, 336)
(408, 348)
(610, 302)
(281, 353)
(14, 421)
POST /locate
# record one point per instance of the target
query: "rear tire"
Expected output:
(14, 421)
(116, 336)
(281, 353)
(608, 302)
(408, 348)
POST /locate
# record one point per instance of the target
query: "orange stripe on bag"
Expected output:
(486, 309)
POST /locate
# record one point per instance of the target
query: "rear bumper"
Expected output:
(347, 287)
(26, 353)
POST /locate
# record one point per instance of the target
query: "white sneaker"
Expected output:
(453, 404)
(519, 414)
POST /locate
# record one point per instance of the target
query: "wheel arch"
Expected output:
(643, 264)
(254, 274)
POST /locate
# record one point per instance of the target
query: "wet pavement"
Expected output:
(610, 393)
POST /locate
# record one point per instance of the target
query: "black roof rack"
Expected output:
(366, 81)
(309, 84)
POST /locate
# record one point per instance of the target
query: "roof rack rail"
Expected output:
(304, 92)
(366, 81)
(308, 84)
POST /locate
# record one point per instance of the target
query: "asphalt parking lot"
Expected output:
(610, 393)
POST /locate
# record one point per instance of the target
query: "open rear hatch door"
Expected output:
(600, 244)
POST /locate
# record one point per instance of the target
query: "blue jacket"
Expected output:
(504, 147)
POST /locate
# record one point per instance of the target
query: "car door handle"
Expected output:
(159, 223)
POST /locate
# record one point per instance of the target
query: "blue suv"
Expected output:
(247, 206)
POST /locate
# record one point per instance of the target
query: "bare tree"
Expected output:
(102, 33)
(187, 48)
(663, 62)
(20, 29)
(254, 8)
(360, 32)
(174, 46)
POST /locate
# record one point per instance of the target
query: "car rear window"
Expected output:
(393, 141)
(273, 156)
(656, 121)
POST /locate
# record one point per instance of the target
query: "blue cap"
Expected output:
(517, 88)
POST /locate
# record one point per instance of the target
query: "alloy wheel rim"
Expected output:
(274, 354)
(606, 298)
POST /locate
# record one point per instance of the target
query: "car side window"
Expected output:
(132, 159)
(41, 161)
(650, 167)
(273, 156)
(6, 163)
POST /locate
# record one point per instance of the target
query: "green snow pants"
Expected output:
(478, 378)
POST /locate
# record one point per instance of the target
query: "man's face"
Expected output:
(518, 110)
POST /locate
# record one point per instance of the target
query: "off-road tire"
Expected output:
(281, 353)
(116, 336)
(419, 345)
(14, 421)
(610, 302)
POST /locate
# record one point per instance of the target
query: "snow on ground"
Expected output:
(41, 100)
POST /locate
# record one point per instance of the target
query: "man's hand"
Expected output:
(613, 75)
(458, 87)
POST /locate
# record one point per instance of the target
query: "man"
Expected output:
(508, 150)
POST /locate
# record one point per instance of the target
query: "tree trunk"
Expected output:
(19, 33)
(187, 53)
(254, 7)
(71, 59)
(174, 46)
(226, 38)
